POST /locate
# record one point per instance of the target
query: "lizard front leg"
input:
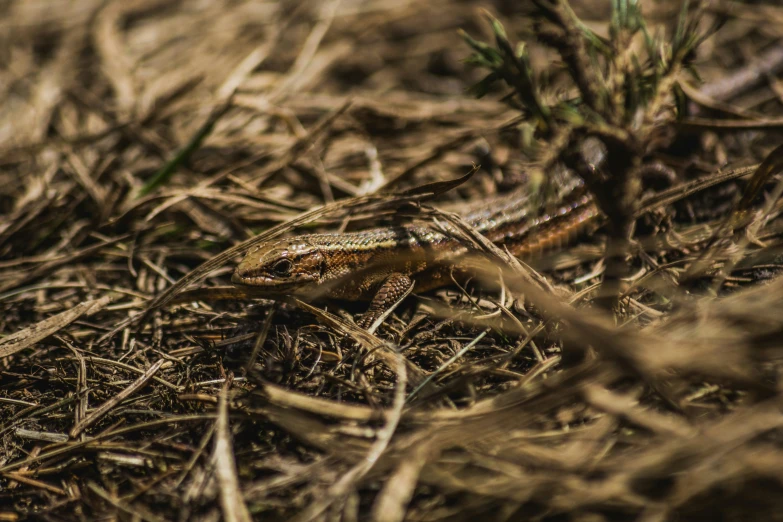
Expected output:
(392, 289)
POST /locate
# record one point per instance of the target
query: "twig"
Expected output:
(104, 408)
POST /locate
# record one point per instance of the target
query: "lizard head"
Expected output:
(291, 267)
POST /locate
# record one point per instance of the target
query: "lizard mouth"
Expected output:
(264, 284)
(256, 280)
(240, 279)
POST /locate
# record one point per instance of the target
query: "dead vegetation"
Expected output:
(144, 145)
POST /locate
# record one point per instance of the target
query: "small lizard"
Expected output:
(381, 264)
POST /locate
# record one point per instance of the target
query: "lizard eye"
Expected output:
(282, 267)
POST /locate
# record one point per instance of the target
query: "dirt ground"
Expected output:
(144, 143)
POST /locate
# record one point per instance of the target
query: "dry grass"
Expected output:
(144, 144)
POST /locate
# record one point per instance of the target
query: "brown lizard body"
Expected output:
(381, 264)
